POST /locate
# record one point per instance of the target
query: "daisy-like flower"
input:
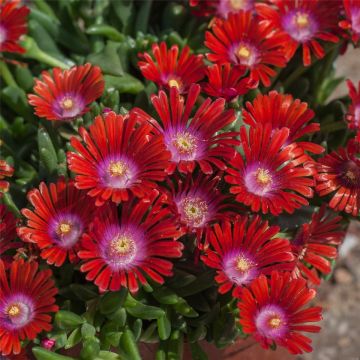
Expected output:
(171, 69)
(353, 115)
(26, 301)
(7, 231)
(220, 8)
(339, 174)
(12, 25)
(272, 310)
(243, 249)
(196, 140)
(118, 156)
(60, 216)
(66, 94)
(5, 171)
(352, 21)
(227, 82)
(282, 110)
(316, 244)
(244, 40)
(272, 176)
(198, 202)
(121, 250)
(304, 23)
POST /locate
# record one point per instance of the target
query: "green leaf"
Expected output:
(105, 30)
(142, 311)
(83, 292)
(107, 355)
(164, 327)
(183, 308)
(202, 282)
(108, 59)
(91, 349)
(87, 331)
(137, 328)
(128, 345)
(73, 339)
(165, 296)
(43, 354)
(175, 346)
(15, 98)
(124, 84)
(119, 316)
(143, 15)
(112, 301)
(197, 352)
(124, 10)
(68, 320)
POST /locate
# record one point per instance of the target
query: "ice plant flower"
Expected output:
(316, 244)
(198, 202)
(244, 40)
(171, 69)
(272, 311)
(304, 22)
(118, 156)
(271, 176)
(196, 140)
(6, 170)
(227, 82)
(26, 301)
(243, 249)
(220, 8)
(60, 216)
(12, 25)
(339, 174)
(7, 231)
(352, 21)
(353, 115)
(66, 94)
(120, 251)
(280, 111)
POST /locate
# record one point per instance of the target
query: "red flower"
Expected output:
(198, 202)
(171, 70)
(272, 177)
(61, 215)
(243, 249)
(353, 115)
(12, 25)
(5, 171)
(118, 156)
(227, 82)
(304, 22)
(7, 232)
(220, 8)
(26, 299)
(197, 140)
(66, 94)
(121, 251)
(272, 311)
(339, 173)
(315, 244)
(352, 21)
(283, 111)
(243, 39)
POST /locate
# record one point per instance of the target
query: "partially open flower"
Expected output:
(6, 170)
(353, 115)
(352, 21)
(66, 94)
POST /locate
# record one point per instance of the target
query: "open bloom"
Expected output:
(353, 115)
(227, 82)
(280, 111)
(171, 69)
(198, 202)
(26, 301)
(121, 251)
(60, 216)
(196, 140)
(272, 311)
(243, 249)
(352, 21)
(5, 171)
(272, 176)
(12, 25)
(339, 174)
(118, 156)
(304, 22)
(315, 244)
(220, 8)
(244, 40)
(65, 94)
(7, 231)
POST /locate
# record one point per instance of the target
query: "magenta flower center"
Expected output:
(67, 104)
(185, 143)
(237, 4)
(17, 312)
(122, 249)
(350, 175)
(245, 54)
(2, 35)
(355, 19)
(271, 322)
(118, 169)
(258, 179)
(193, 211)
(300, 25)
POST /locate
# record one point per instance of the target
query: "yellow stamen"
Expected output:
(275, 322)
(302, 20)
(117, 169)
(13, 310)
(244, 52)
(236, 4)
(63, 228)
(122, 245)
(67, 104)
(350, 175)
(185, 143)
(174, 83)
(263, 177)
(242, 264)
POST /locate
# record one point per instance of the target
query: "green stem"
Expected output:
(294, 75)
(49, 60)
(6, 74)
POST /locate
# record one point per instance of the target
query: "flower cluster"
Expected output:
(197, 168)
